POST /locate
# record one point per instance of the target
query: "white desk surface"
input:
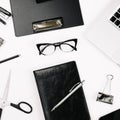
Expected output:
(92, 64)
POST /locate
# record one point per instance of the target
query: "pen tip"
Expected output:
(18, 55)
(83, 81)
(53, 109)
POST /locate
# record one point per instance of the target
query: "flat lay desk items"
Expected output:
(111, 116)
(106, 96)
(33, 16)
(4, 15)
(4, 103)
(104, 32)
(65, 46)
(10, 58)
(72, 91)
(60, 88)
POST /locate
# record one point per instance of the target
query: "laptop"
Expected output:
(104, 33)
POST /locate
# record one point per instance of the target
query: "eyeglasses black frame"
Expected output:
(57, 44)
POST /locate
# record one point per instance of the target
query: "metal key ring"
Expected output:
(110, 76)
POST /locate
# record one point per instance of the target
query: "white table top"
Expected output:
(92, 64)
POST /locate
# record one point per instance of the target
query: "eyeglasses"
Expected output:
(65, 46)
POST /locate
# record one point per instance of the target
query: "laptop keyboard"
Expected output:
(115, 19)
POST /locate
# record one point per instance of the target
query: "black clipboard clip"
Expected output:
(47, 25)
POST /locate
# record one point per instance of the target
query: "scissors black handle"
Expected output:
(19, 107)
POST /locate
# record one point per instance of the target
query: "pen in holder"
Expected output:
(4, 15)
(106, 96)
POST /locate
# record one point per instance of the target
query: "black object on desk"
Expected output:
(10, 58)
(39, 1)
(49, 48)
(22, 106)
(54, 84)
(33, 16)
(115, 115)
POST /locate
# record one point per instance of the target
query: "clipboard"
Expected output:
(30, 15)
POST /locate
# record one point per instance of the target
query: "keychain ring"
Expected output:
(110, 76)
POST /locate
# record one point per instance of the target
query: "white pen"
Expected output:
(67, 96)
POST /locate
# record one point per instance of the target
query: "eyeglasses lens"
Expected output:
(47, 49)
(68, 46)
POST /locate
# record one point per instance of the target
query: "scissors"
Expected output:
(4, 102)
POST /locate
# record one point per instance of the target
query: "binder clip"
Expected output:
(106, 96)
(4, 15)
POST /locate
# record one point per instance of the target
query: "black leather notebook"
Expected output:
(54, 83)
(33, 16)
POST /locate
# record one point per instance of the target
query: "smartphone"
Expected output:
(115, 115)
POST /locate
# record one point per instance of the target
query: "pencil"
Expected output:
(10, 58)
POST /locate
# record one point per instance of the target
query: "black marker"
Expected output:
(10, 58)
